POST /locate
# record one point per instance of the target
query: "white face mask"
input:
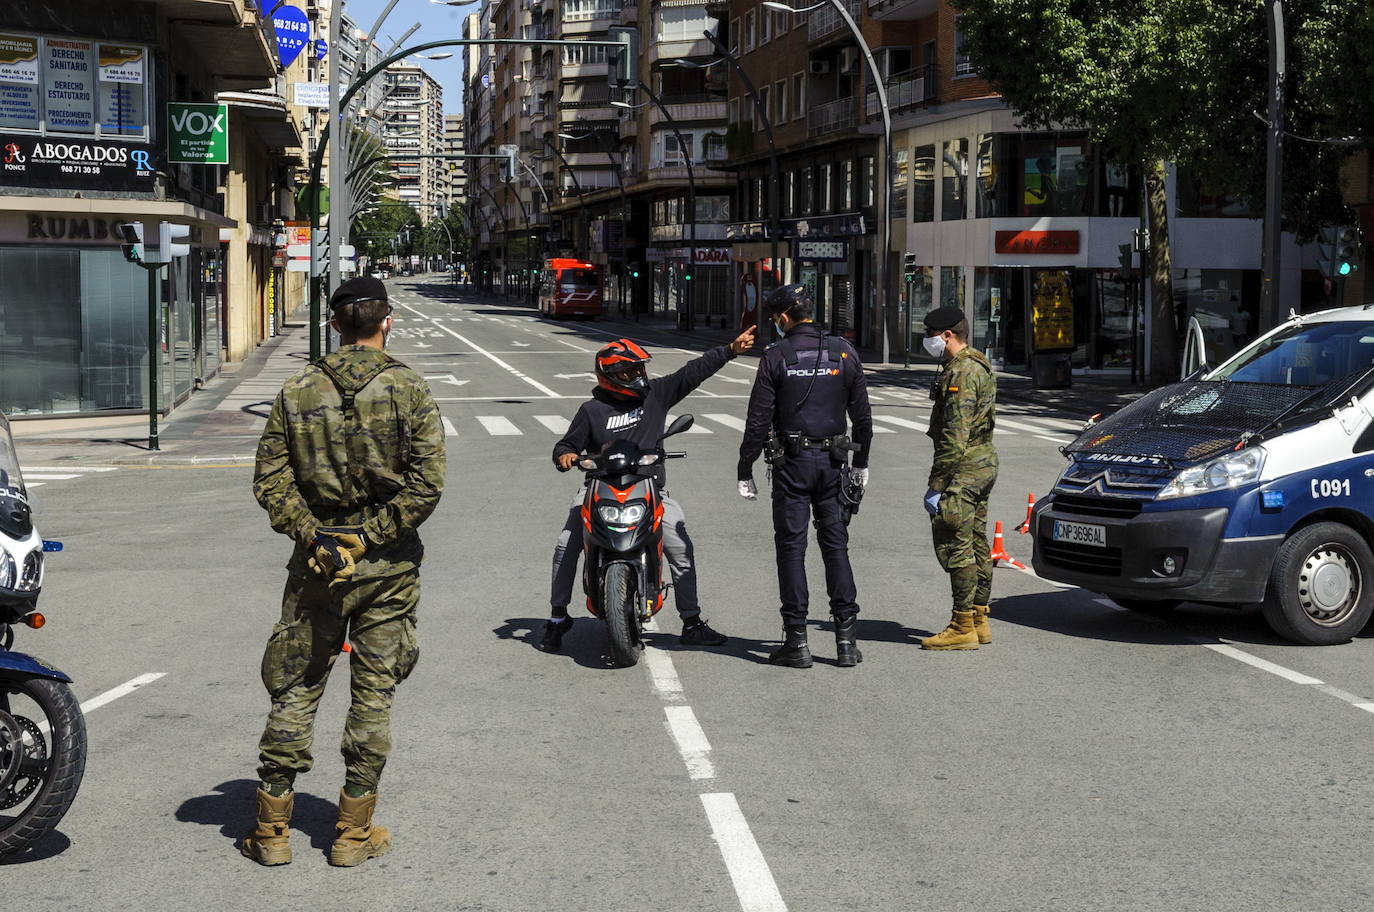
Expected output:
(934, 346)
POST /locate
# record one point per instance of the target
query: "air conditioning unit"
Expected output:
(819, 67)
(263, 214)
(849, 60)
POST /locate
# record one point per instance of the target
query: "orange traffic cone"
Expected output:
(1030, 508)
(347, 647)
(999, 549)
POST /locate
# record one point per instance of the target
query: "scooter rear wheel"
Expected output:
(42, 760)
(622, 623)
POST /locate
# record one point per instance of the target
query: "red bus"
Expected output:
(570, 288)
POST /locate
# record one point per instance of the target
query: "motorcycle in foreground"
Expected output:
(42, 731)
(622, 522)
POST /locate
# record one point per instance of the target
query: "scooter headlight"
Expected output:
(1229, 471)
(32, 573)
(622, 516)
(8, 570)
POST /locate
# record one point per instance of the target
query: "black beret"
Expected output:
(362, 288)
(943, 318)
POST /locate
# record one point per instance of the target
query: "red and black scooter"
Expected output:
(622, 526)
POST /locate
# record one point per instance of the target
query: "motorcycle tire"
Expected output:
(66, 763)
(622, 624)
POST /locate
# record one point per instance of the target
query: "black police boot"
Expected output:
(794, 652)
(697, 632)
(847, 653)
(552, 640)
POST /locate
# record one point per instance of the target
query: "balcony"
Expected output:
(825, 21)
(706, 231)
(902, 10)
(699, 108)
(912, 89)
(674, 47)
(830, 117)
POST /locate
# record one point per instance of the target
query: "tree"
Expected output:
(1160, 80)
(386, 229)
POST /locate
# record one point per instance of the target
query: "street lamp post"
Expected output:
(1271, 302)
(885, 184)
(691, 198)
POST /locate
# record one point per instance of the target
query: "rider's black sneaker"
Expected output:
(697, 632)
(552, 641)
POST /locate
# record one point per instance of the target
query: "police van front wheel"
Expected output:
(1320, 589)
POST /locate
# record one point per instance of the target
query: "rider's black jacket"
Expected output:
(606, 417)
(810, 396)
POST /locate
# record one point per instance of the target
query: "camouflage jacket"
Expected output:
(962, 420)
(380, 466)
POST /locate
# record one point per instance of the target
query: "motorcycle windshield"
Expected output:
(10, 476)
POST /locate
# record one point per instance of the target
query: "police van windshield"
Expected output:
(10, 476)
(578, 278)
(1312, 354)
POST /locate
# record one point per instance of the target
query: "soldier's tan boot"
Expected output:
(269, 843)
(958, 635)
(356, 839)
(980, 624)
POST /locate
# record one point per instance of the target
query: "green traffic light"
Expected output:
(1345, 269)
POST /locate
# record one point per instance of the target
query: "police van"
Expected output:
(1248, 483)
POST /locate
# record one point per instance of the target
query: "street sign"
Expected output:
(310, 94)
(197, 134)
(321, 48)
(293, 33)
(319, 270)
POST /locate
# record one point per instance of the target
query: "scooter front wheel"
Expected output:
(42, 758)
(622, 622)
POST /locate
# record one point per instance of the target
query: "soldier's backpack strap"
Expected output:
(835, 345)
(349, 394)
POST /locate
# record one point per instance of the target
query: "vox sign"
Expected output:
(197, 134)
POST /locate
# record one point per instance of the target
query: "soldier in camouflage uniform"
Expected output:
(349, 465)
(962, 476)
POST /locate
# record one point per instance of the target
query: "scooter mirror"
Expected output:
(680, 424)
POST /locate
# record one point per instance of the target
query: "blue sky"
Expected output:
(436, 23)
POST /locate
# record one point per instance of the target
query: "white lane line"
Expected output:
(729, 421)
(883, 430)
(35, 484)
(115, 693)
(27, 469)
(663, 674)
(902, 422)
(691, 741)
(556, 423)
(449, 429)
(1022, 426)
(1056, 440)
(482, 351)
(1287, 674)
(754, 884)
(55, 476)
(499, 426)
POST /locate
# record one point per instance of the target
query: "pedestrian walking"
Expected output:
(961, 476)
(806, 386)
(350, 464)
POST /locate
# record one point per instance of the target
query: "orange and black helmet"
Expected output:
(621, 369)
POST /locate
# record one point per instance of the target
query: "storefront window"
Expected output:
(920, 300)
(899, 178)
(847, 186)
(808, 189)
(1225, 303)
(1032, 175)
(954, 180)
(866, 192)
(827, 187)
(1116, 320)
(1194, 201)
(923, 185)
(985, 178)
(65, 85)
(952, 287)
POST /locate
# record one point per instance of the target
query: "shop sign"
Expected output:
(19, 81)
(197, 134)
(297, 233)
(1051, 310)
(1040, 243)
(75, 164)
(310, 94)
(827, 251)
(712, 256)
(62, 229)
(293, 33)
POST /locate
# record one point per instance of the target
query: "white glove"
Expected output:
(859, 475)
(748, 490)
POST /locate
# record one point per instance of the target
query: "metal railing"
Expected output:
(905, 90)
(831, 116)
(827, 19)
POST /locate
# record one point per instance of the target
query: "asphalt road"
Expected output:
(1088, 759)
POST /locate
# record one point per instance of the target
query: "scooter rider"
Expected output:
(626, 404)
(806, 385)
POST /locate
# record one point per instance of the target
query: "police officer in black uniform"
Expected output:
(806, 385)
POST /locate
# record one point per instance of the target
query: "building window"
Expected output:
(765, 27)
(70, 86)
(847, 186)
(585, 10)
(780, 99)
(789, 196)
(713, 147)
(808, 191)
(923, 184)
(749, 31)
(827, 198)
(900, 166)
(798, 96)
(764, 99)
(682, 23)
(954, 180)
(732, 40)
(780, 24)
(674, 155)
(867, 195)
(575, 55)
(963, 66)
(732, 111)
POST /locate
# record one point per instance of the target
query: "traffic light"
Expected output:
(1343, 252)
(511, 165)
(132, 235)
(1125, 259)
(634, 270)
(909, 267)
(443, 209)
(623, 61)
(173, 241)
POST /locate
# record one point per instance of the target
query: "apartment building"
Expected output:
(413, 132)
(457, 187)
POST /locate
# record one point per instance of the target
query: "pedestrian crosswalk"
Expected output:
(38, 476)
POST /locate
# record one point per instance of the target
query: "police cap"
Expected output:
(357, 290)
(785, 297)
(943, 318)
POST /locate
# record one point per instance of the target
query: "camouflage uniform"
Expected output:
(353, 440)
(964, 471)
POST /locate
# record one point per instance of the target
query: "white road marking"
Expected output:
(883, 430)
(115, 693)
(749, 872)
(36, 476)
(556, 423)
(27, 469)
(729, 421)
(482, 351)
(1287, 674)
(449, 429)
(691, 741)
(902, 422)
(663, 674)
(1020, 426)
(499, 426)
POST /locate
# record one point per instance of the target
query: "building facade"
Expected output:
(456, 189)
(413, 132)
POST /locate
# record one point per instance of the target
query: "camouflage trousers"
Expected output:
(960, 532)
(378, 617)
